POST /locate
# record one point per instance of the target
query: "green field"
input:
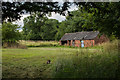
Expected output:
(65, 62)
(30, 62)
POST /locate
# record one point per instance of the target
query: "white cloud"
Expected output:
(73, 7)
(20, 22)
(57, 17)
(54, 16)
(61, 18)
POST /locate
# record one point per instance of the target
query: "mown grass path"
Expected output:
(31, 62)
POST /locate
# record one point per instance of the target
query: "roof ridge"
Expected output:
(69, 33)
(80, 35)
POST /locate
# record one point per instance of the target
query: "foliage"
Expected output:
(76, 21)
(49, 29)
(102, 17)
(32, 26)
(61, 30)
(10, 32)
(39, 27)
(12, 10)
(106, 17)
(85, 64)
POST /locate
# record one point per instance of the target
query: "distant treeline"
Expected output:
(103, 17)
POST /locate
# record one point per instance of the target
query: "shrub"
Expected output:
(14, 45)
(10, 32)
(110, 46)
(10, 35)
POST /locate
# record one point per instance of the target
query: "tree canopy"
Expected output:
(49, 29)
(106, 17)
(39, 27)
(12, 11)
(103, 17)
(10, 32)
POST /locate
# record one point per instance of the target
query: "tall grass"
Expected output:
(85, 64)
(30, 43)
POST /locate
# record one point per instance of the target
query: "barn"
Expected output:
(83, 39)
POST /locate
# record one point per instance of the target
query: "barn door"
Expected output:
(82, 43)
(69, 43)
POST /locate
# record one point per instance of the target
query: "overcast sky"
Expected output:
(53, 16)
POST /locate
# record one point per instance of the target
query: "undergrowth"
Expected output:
(86, 64)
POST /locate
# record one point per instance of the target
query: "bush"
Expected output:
(13, 45)
(110, 47)
(10, 33)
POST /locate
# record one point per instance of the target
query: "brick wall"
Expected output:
(60, 42)
(103, 38)
(77, 43)
(88, 43)
(71, 42)
(67, 42)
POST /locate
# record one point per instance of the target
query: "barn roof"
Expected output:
(80, 35)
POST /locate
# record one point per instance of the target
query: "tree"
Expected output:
(12, 10)
(32, 26)
(49, 29)
(61, 30)
(106, 16)
(103, 17)
(10, 33)
(39, 27)
(76, 21)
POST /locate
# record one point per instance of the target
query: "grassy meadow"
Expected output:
(29, 43)
(98, 62)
